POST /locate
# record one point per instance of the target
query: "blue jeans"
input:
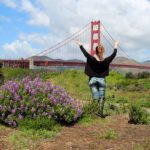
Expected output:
(98, 86)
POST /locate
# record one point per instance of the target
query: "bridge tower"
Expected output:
(95, 35)
(31, 63)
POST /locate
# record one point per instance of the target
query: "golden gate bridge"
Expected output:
(66, 53)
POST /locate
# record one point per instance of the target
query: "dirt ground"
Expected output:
(91, 136)
(4, 145)
(82, 137)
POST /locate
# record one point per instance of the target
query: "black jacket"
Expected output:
(96, 68)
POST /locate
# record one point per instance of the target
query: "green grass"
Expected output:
(31, 132)
(10, 73)
(2, 127)
(143, 146)
(75, 82)
(28, 138)
(119, 92)
(13, 73)
(110, 134)
(25, 139)
(87, 120)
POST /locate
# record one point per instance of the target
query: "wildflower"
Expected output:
(13, 111)
(33, 110)
(20, 117)
(16, 96)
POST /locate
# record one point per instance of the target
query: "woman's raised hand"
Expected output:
(78, 42)
(116, 44)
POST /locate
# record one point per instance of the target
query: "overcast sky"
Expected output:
(30, 26)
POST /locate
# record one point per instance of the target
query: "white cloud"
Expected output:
(42, 41)
(18, 48)
(35, 38)
(37, 16)
(72, 30)
(9, 3)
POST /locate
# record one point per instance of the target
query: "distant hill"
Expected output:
(40, 58)
(146, 63)
(124, 60)
(75, 60)
(46, 58)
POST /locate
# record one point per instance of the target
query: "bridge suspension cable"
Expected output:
(111, 45)
(114, 40)
(69, 39)
(65, 41)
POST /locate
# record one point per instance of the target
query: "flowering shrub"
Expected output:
(34, 99)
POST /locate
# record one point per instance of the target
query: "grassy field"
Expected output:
(118, 87)
(120, 92)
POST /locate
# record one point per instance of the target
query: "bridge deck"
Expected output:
(25, 64)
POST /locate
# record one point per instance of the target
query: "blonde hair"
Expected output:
(100, 48)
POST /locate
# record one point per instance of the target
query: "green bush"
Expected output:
(38, 123)
(91, 108)
(135, 87)
(139, 75)
(130, 75)
(137, 114)
(145, 101)
(143, 75)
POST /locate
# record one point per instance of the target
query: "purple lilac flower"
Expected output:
(12, 86)
(33, 109)
(17, 97)
(13, 111)
(26, 80)
(1, 96)
(53, 101)
(32, 93)
(22, 108)
(20, 117)
(27, 88)
(68, 101)
(10, 123)
(14, 124)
